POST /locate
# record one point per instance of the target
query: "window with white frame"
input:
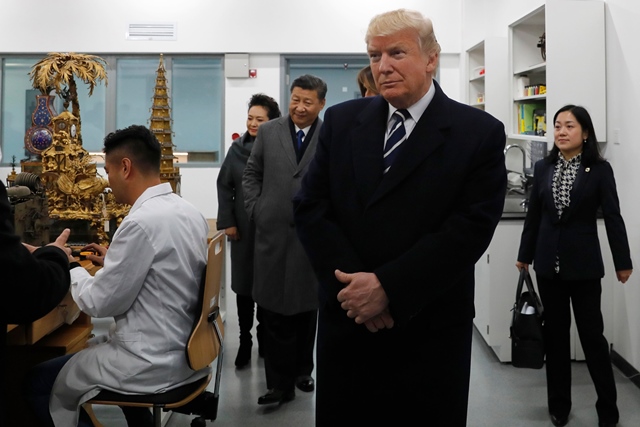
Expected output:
(196, 91)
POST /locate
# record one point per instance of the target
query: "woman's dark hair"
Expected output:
(590, 150)
(268, 103)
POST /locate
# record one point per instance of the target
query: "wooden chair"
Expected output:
(204, 345)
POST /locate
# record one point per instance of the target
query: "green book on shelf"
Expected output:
(529, 124)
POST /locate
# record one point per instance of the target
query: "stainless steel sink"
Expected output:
(515, 204)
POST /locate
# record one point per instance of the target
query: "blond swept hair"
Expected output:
(391, 22)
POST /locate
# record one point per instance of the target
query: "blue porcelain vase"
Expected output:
(39, 136)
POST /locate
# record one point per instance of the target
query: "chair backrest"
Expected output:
(204, 345)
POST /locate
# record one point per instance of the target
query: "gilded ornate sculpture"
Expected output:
(73, 188)
(56, 72)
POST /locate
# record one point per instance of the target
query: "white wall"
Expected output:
(491, 18)
(282, 26)
(623, 110)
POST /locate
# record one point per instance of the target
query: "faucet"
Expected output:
(523, 178)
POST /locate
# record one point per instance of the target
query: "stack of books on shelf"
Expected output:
(532, 119)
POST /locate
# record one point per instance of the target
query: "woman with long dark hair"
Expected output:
(571, 185)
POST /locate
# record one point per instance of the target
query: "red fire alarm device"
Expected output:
(253, 73)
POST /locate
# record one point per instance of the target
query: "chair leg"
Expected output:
(92, 415)
(157, 418)
(216, 390)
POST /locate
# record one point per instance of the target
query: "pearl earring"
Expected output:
(584, 141)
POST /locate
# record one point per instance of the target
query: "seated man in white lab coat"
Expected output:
(149, 284)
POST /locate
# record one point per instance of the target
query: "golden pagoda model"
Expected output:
(74, 190)
(161, 127)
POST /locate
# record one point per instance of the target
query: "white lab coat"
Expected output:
(149, 284)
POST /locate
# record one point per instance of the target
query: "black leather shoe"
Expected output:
(305, 383)
(559, 420)
(276, 396)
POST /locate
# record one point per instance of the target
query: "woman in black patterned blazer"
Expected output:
(571, 185)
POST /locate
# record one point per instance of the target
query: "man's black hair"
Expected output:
(138, 143)
(309, 82)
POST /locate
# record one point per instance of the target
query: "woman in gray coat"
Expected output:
(233, 219)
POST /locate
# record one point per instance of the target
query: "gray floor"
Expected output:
(501, 395)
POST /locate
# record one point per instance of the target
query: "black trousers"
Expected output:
(584, 296)
(246, 308)
(289, 347)
(416, 371)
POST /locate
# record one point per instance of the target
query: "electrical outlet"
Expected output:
(616, 136)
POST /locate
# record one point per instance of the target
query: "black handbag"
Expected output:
(527, 343)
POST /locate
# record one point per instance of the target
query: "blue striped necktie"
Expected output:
(397, 136)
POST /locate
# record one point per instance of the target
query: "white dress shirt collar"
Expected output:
(417, 109)
(156, 190)
(305, 130)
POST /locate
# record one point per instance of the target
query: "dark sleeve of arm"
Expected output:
(323, 239)
(252, 177)
(33, 284)
(226, 194)
(531, 227)
(616, 230)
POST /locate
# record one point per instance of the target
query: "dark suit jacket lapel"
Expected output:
(577, 191)
(426, 137)
(284, 135)
(311, 148)
(547, 181)
(367, 140)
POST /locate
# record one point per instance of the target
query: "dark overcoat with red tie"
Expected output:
(420, 228)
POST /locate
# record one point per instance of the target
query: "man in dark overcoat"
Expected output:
(400, 201)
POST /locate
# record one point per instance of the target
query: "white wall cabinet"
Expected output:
(491, 56)
(572, 73)
(476, 73)
(495, 292)
(496, 280)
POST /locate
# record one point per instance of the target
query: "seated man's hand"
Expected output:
(100, 253)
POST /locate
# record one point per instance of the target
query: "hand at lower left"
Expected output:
(61, 243)
(31, 248)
